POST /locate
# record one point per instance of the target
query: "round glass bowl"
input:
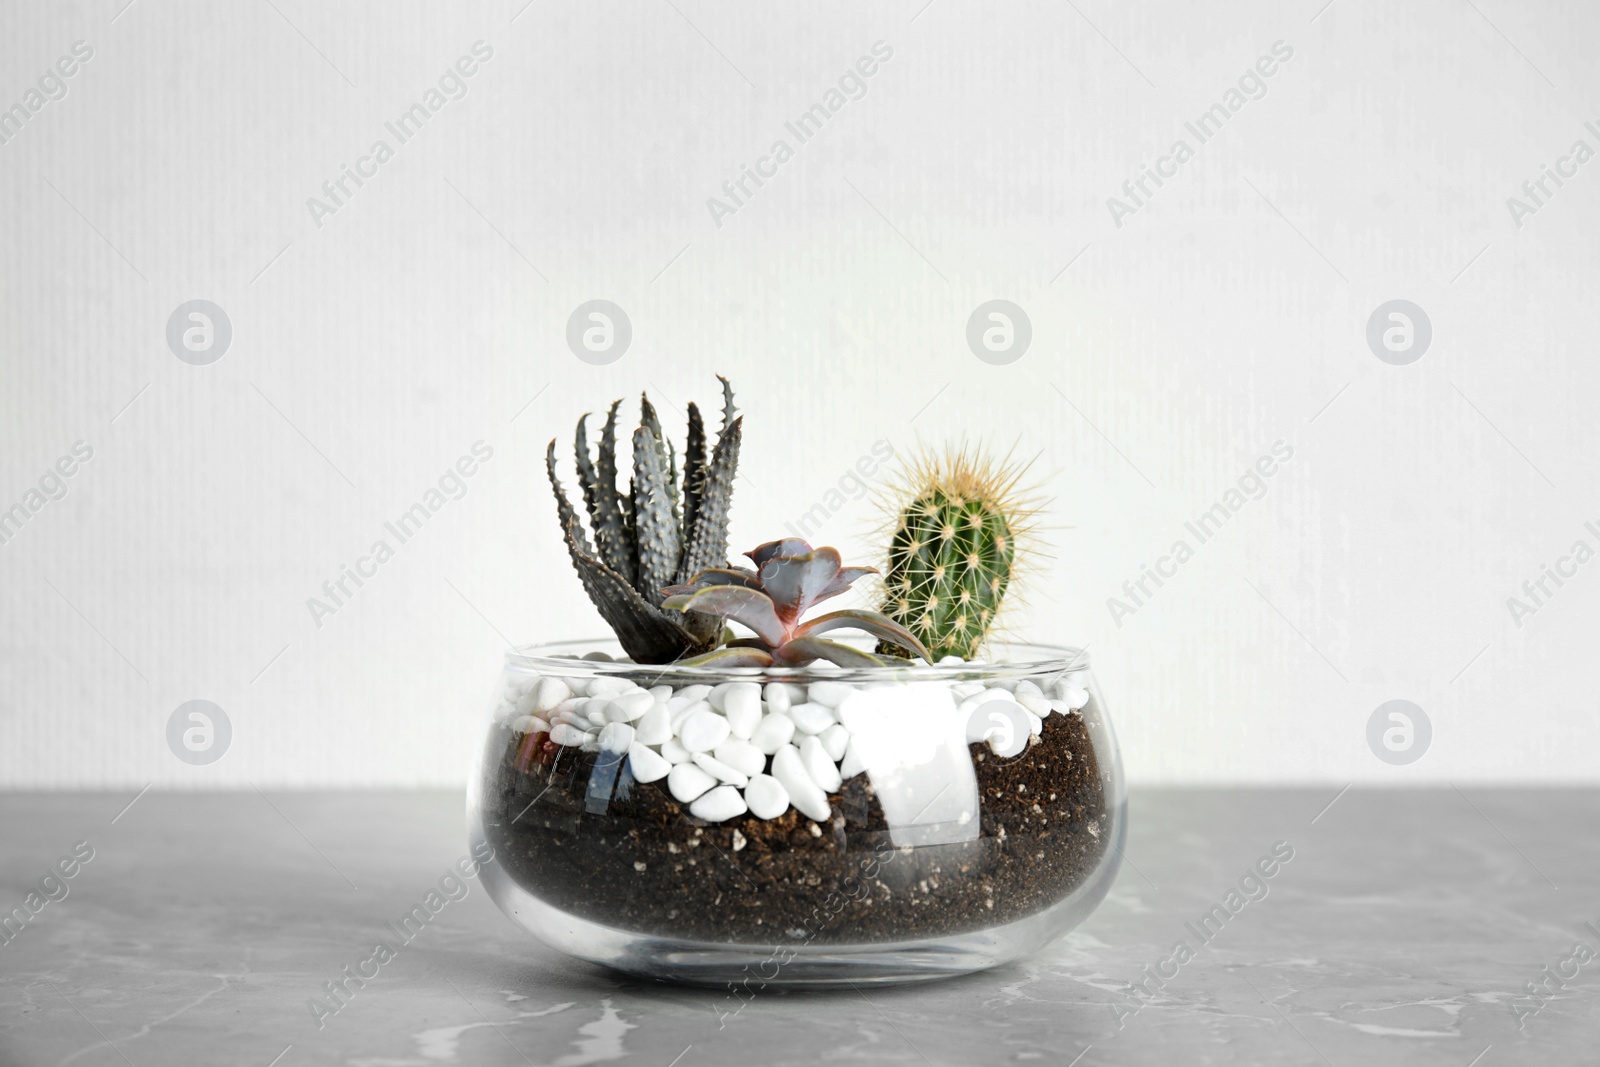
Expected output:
(797, 826)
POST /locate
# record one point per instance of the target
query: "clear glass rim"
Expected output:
(1026, 659)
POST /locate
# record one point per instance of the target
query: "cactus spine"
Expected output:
(953, 550)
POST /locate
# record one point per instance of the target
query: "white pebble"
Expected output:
(777, 697)
(718, 694)
(719, 770)
(550, 692)
(593, 706)
(963, 690)
(661, 693)
(564, 734)
(723, 802)
(766, 796)
(680, 715)
(597, 720)
(1027, 686)
(1075, 697)
(616, 737)
(605, 687)
(703, 731)
(835, 739)
(654, 726)
(632, 705)
(646, 765)
(774, 732)
(672, 751)
(1034, 702)
(686, 781)
(578, 686)
(996, 693)
(1035, 724)
(804, 794)
(811, 718)
(829, 693)
(852, 764)
(529, 724)
(950, 659)
(818, 765)
(691, 693)
(742, 705)
(742, 756)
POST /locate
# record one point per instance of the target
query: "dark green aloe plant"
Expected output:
(658, 534)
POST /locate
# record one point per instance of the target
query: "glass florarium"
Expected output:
(738, 789)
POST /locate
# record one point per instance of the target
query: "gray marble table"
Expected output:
(1407, 928)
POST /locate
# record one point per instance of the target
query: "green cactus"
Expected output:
(953, 551)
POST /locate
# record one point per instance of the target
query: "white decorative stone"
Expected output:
(777, 695)
(654, 726)
(529, 724)
(1034, 702)
(719, 770)
(1027, 685)
(742, 756)
(963, 690)
(616, 737)
(672, 751)
(1075, 697)
(661, 693)
(830, 693)
(686, 781)
(550, 692)
(680, 715)
(835, 739)
(766, 796)
(1035, 724)
(741, 703)
(578, 686)
(804, 794)
(819, 765)
(774, 732)
(852, 764)
(811, 718)
(691, 693)
(564, 734)
(703, 731)
(718, 694)
(633, 704)
(646, 765)
(723, 802)
(605, 687)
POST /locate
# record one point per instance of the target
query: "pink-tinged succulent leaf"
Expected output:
(803, 650)
(846, 577)
(717, 576)
(879, 626)
(787, 546)
(729, 657)
(751, 607)
(793, 582)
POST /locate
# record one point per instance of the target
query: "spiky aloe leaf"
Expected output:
(694, 470)
(717, 576)
(605, 512)
(727, 403)
(708, 543)
(647, 634)
(613, 527)
(655, 526)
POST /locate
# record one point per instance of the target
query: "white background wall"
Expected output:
(1168, 353)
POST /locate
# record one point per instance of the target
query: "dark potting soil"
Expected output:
(577, 831)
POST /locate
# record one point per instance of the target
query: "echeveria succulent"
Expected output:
(648, 538)
(771, 599)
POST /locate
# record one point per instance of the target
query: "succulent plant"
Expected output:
(953, 550)
(657, 533)
(789, 576)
